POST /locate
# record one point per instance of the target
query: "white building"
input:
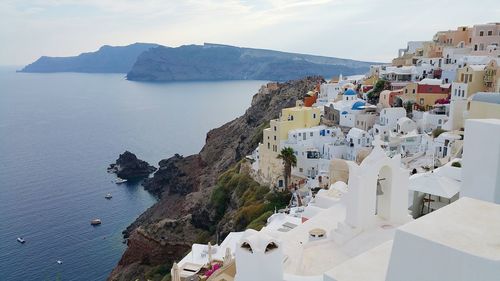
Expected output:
(458, 105)
(481, 160)
(313, 147)
(259, 257)
(388, 120)
(356, 140)
(404, 125)
(432, 120)
(444, 144)
(328, 92)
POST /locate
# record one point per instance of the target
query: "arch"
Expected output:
(270, 247)
(246, 246)
(383, 192)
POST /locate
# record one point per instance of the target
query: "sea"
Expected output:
(58, 134)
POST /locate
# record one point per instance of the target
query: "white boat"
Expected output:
(95, 222)
(120, 180)
(108, 196)
(59, 262)
(21, 240)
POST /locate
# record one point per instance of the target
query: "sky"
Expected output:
(371, 30)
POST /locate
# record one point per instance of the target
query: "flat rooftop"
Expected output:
(468, 225)
(305, 257)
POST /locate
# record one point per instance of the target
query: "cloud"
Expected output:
(361, 29)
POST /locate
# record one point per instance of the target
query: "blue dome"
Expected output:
(350, 92)
(358, 105)
(344, 112)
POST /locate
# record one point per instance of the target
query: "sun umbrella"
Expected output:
(432, 183)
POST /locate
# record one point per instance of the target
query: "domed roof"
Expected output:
(344, 112)
(358, 105)
(350, 92)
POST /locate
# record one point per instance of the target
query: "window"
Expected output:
(268, 146)
(413, 91)
(406, 91)
(271, 246)
(481, 33)
(274, 137)
(311, 134)
(462, 77)
(440, 121)
(475, 47)
(490, 32)
(247, 246)
(314, 115)
(421, 101)
(275, 128)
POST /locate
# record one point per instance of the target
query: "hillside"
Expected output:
(208, 193)
(223, 62)
(108, 59)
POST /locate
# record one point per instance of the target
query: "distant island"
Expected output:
(153, 62)
(223, 62)
(108, 59)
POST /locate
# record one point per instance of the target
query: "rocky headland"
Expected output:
(208, 194)
(108, 59)
(129, 167)
(223, 62)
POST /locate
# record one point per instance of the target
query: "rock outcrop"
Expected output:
(184, 213)
(129, 167)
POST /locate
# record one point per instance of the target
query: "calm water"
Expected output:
(58, 133)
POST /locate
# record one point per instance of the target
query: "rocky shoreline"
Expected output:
(184, 214)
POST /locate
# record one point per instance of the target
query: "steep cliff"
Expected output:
(223, 62)
(189, 209)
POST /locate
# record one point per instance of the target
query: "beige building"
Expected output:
(270, 167)
(484, 38)
(473, 76)
(492, 77)
(432, 50)
(484, 106)
(456, 38)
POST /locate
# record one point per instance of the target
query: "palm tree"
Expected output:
(289, 160)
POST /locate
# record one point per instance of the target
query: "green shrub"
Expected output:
(278, 199)
(456, 164)
(437, 132)
(257, 137)
(261, 221)
(158, 272)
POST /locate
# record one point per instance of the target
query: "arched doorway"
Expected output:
(383, 192)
